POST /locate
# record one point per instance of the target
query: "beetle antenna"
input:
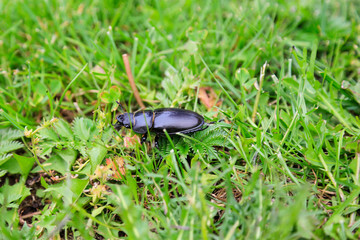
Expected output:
(121, 107)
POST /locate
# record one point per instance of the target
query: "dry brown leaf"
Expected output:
(117, 166)
(208, 97)
(131, 142)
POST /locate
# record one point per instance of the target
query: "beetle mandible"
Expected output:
(173, 120)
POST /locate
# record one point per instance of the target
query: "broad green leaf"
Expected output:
(242, 75)
(25, 163)
(12, 166)
(77, 186)
(55, 86)
(172, 82)
(68, 155)
(107, 233)
(97, 153)
(111, 96)
(60, 161)
(129, 212)
(55, 162)
(97, 211)
(312, 156)
(12, 195)
(70, 189)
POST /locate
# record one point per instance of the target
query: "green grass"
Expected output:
(285, 164)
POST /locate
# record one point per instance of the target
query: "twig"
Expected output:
(131, 80)
(30, 215)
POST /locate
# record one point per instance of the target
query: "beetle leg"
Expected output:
(221, 120)
(143, 138)
(157, 141)
(117, 126)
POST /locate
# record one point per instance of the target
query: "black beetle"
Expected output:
(173, 120)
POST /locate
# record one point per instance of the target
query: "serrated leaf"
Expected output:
(46, 148)
(49, 134)
(9, 146)
(11, 196)
(183, 149)
(64, 130)
(213, 136)
(27, 232)
(81, 148)
(2, 173)
(9, 134)
(83, 128)
(107, 135)
(165, 147)
(4, 158)
(210, 137)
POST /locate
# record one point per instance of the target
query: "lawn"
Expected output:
(283, 76)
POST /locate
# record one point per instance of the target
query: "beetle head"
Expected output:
(123, 120)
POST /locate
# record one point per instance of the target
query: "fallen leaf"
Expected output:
(117, 166)
(208, 97)
(131, 142)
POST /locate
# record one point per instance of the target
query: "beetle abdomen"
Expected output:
(176, 120)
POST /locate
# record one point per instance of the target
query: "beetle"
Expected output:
(173, 120)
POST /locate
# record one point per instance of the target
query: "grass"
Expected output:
(285, 163)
